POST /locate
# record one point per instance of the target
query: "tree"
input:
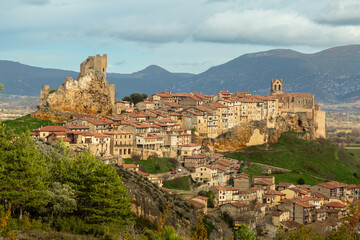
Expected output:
(243, 233)
(1, 87)
(101, 196)
(135, 98)
(304, 233)
(62, 199)
(23, 177)
(200, 230)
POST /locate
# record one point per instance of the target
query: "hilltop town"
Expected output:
(193, 129)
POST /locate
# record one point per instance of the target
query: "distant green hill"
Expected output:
(321, 159)
(20, 125)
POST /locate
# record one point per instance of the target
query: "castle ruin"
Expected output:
(90, 93)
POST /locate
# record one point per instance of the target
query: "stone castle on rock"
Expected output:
(90, 93)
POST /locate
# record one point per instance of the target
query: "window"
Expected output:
(129, 151)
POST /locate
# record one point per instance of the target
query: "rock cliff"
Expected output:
(150, 202)
(260, 132)
(89, 94)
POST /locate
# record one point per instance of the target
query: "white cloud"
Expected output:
(157, 33)
(273, 28)
(343, 12)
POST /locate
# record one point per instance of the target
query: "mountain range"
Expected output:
(333, 75)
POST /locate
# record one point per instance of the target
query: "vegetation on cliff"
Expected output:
(20, 125)
(321, 158)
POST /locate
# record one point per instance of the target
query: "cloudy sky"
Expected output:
(180, 36)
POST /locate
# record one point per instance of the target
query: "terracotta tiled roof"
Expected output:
(242, 176)
(100, 135)
(196, 204)
(274, 192)
(76, 126)
(335, 205)
(129, 165)
(304, 205)
(53, 129)
(143, 173)
(290, 224)
(98, 121)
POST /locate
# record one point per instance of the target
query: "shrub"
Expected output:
(301, 181)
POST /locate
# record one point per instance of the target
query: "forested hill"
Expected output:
(333, 75)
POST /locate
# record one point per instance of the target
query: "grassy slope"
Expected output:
(322, 159)
(20, 125)
(154, 165)
(180, 183)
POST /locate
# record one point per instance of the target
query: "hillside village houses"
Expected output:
(165, 125)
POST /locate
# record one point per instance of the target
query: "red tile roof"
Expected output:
(53, 129)
(76, 126)
(335, 205)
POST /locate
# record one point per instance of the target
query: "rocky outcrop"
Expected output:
(260, 132)
(89, 94)
(150, 202)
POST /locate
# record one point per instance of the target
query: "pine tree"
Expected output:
(101, 196)
(23, 177)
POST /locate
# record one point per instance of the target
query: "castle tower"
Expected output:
(97, 63)
(276, 87)
(44, 93)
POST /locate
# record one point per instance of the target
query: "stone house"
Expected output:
(145, 105)
(336, 209)
(300, 212)
(265, 182)
(195, 161)
(207, 174)
(149, 145)
(242, 182)
(234, 209)
(330, 189)
(352, 192)
(190, 149)
(53, 137)
(45, 131)
(248, 196)
(98, 125)
(293, 192)
(284, 185)
(100, 144)
(321, 214)
(225, 194)
(121, 106)
(121, 143)
(199, 202)
(280, 215)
